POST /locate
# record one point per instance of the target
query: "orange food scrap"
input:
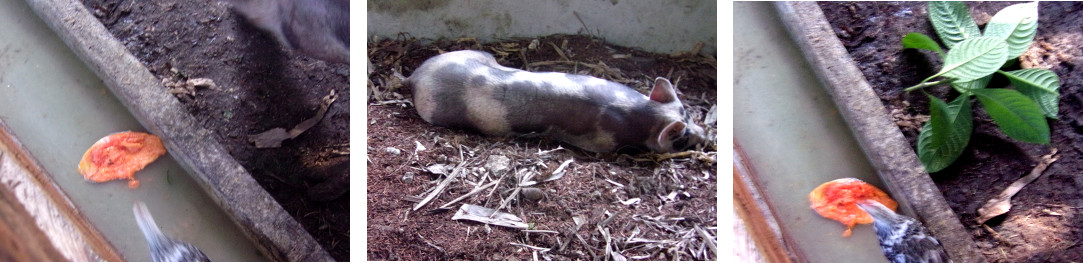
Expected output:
(838, 200)
(119, 156)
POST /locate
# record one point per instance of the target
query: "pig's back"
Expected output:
(470, 90)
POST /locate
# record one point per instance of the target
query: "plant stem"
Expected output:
(926, 84)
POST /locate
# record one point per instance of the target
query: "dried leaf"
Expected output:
(1002, 203)
(273, 138)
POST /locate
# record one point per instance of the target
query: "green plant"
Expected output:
(969, 64)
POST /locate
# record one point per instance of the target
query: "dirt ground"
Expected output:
(669, 202)
(1044, 223)
(260, 86)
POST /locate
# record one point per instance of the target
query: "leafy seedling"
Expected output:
(971, 60)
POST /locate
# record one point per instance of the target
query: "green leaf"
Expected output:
(974, 58)
(1018, 116)
(966, 86)
(952, 22)
(1039, 85)
(1016, 24)
(921, 41)
(946, 134)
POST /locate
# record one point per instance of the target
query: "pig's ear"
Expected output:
(670, 133)
(663, 91)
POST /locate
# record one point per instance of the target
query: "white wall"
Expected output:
(663, 26)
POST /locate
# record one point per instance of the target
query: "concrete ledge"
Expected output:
(879, 137)
(233, 188)
(664, 26)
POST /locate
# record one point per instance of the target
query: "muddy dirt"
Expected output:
(407, 157)
(259, 86)
(1044, 224)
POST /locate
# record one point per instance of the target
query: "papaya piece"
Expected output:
(837, 200)
(119, 155)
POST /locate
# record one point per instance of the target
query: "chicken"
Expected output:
(163, 248)
(903, 239)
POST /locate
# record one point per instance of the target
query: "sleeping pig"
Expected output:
(470, 90)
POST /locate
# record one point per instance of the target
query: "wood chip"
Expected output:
(547, 176)
(423, 239)
(536, 248)
(704, 157)
(539, 231)
(441, 169)
(202, 83)
(619, 185)
(630, 201)
(540, 152)
(712, 116)
(440, 187)
(475, 191)
(559, 172)
(489, 216)
(708, 239)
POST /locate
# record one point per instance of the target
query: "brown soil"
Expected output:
(260, 86)
(1043, 225)
(678, 195)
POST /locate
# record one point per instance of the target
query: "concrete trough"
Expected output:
(205, 196)
(884, 145)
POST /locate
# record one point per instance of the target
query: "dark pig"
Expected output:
(317, 28)
(470, 90)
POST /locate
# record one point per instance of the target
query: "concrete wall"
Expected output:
(663, 26)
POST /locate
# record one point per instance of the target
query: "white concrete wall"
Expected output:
(663, 26)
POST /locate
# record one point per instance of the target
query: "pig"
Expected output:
(317, 28)
(469, 90)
